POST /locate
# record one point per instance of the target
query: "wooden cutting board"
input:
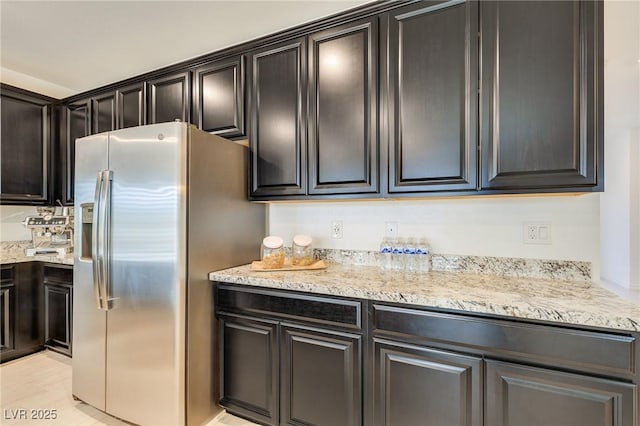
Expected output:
(318, 264)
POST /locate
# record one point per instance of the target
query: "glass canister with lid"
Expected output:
(302, 250)
(272, 252)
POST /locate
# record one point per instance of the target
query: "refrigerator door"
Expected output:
(146, 322)
(89, 322)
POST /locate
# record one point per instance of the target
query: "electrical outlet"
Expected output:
(391, 229)
(336, 229)
(537, 232)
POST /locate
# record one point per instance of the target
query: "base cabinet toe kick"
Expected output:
(294, 358)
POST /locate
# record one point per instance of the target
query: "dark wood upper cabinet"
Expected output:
(104, 112)
(432, 96)
(343, 109)
(25, 146)
(130, 104)
(75, 123)
(541, 95)
(278, 132)
(219, 97)
(169, 98)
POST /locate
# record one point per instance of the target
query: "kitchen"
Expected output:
(487, 231)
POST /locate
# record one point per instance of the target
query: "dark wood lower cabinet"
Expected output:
(21, 310)
(518, 395)
(321, 377)
(421, 386)
(288, 359)
(249, 368)
(7, 309)
(58, 307)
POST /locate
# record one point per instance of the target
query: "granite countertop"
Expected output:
(568, 302)
(13, 252)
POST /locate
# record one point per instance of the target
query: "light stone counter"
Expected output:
(13, 252)
(569, 302)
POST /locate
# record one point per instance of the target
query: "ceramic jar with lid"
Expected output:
(302, 250)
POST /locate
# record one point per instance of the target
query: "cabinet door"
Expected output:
(526, 396)
(541, 94)
(25, 147)
(104, 112)
(76, 123)
(130, 106)
(29, 307)
(169, 98)
(432, 96)
(219, 97)
(321, 377)
(343, 109)
(58, 308)
(7, 317)
(277, 133)
(249, 373)
(420, 386)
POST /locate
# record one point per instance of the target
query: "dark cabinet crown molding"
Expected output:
(360, 12)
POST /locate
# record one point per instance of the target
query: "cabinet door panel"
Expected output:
(104, 113)
(131, 106)
(25, 148)
(76, 124)
(58, 310)
(7, 317)
(343, 105)
(527, 396)
(249, 376)
(541, 124)
(432, 95)
(169, 98)
(277, 132)
(219, 97)
(321, 377)
(421, 386)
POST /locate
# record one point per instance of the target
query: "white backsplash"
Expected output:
(11, 227)
(476, 226)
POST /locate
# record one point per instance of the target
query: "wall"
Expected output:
(619, 204)
(11, 228)
(483, 226)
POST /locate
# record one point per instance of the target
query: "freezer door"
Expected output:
(89, 322)
(146, 324)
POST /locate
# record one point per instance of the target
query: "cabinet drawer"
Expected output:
(301, 307)
(57, 274)
(592, 351)
(6, 274)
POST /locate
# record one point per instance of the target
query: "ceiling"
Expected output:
(60, 48)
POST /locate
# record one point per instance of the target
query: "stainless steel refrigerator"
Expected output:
(157, 207)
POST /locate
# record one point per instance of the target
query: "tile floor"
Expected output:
(42, 381)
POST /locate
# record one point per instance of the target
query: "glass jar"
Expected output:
(302, 251)
(272, 252)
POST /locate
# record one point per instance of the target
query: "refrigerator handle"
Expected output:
(95, 243)
(105, 230)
